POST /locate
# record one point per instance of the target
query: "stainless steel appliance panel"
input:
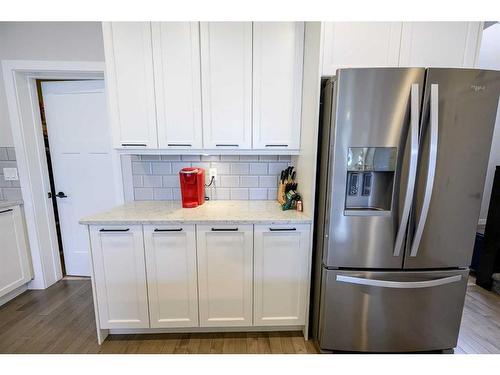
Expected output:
(401, 311)
(372, 110)
(455, 145)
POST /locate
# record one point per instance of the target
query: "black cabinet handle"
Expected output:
(134, 144)
(228, 145)
(277, 145)
(168, 230)
(61, 195)
(114, 230)
(5, 211)
(282, 229)
(179, 144)
(224, 229)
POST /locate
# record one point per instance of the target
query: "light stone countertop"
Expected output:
(221, 212)
(4, 204)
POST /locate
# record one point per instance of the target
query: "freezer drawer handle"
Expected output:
(398, 284)
(168, 230)
(431, 172)
(412, 174)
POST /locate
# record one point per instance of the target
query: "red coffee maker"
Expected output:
(192, 187)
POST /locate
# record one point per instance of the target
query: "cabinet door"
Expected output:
(440, 44)
(281, 274)
(130, 83)
(120, 276)
(15, 269)
(226, 65)
(176, 51)
(171, 274)
(360, 44)
(225, 255)
(278, 54)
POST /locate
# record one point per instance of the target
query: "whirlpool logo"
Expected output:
(477, 88)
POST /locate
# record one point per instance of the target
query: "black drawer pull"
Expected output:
(277, 145)
(134, 144)
(179, 144)
(114, 230)
(4, 211)
(229, 145)
(282, 229)
(168, 230)
(224, 229)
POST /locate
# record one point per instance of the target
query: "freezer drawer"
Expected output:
(391, 311)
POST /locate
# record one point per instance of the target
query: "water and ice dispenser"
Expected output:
(370, 179)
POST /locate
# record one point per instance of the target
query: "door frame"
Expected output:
(22, 99)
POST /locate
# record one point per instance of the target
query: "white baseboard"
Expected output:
(128, 331)
(13, 294)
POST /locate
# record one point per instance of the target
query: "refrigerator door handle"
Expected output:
(399, 284)
(431, 172)
(412, 174)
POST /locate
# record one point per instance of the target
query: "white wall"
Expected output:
(70, 41)
(489, 58)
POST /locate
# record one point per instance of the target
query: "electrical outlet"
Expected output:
(10, 174)
(212, 173)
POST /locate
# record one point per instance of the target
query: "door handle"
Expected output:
(399, 284)
(431, 172)
(412, 173)
(61, 195)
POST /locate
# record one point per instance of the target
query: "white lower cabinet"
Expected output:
(225, 257)
(120, 276)
(281, 274)
(171, 273)
(15, 269)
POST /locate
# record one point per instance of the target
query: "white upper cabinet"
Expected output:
(225, 254)
(176, 54)
(130, 83)
(15, 269)
(281, 274)
(226, 68)
(120, 276)
(278, 53)
(360, 44)
(440, 44)
(171, 273)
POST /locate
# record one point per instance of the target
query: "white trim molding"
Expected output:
(22, 99)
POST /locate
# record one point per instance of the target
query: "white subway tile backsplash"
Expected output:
(171, 157)
(249, 181)
(143, 194)
(9, 190)
(239, 193)
(276, 168)
(152, 181)
(268, 181)
(171, 181)
(222, 168)
(258, 194)
(239, 177)
(3, 153)
(12, 194)
(239, 168)
(229, 181)
(162, 194)
(190, 157)
(258, 168)
(141, 167)
(4, 183)
(162, 167)
(11, 153)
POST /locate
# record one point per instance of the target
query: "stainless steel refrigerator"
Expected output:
(402, 164)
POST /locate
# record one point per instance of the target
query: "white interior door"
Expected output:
(80, 149)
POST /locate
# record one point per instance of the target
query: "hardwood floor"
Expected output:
(61, 320)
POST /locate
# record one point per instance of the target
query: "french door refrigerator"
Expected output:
(402, 163)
